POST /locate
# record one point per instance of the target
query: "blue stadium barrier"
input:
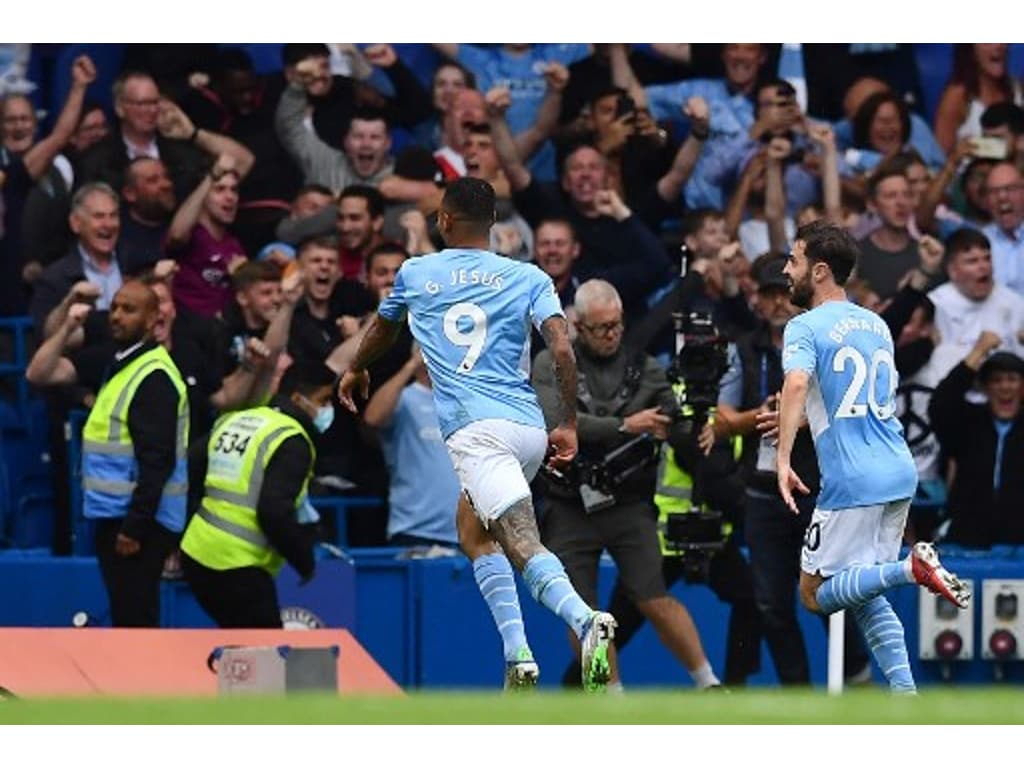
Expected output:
(425, 623)
(339, 506)
(45, 591)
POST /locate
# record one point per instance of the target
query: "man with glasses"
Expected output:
(152, 126)
(622, 394)
(1004, 195)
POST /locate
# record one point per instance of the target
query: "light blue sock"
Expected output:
(860, 584)
(493, 574)
(550, 587)
(884, 633)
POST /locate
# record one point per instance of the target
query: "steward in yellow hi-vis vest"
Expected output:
(255, 513)
(134, 444)
(674, 492)
(725, 570)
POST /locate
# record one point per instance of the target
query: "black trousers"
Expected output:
(774, 537)
(133, 582)
(238, 598)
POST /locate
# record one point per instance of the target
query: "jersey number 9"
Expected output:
(474, 337)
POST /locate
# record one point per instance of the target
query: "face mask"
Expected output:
(324, 418)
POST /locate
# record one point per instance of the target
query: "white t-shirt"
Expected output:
(960, 321)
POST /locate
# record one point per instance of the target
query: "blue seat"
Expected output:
(934, 64)
(340, 506)
(19, 329)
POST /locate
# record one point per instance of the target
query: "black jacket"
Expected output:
(763, 376)
(625, 253)
(982, 515)
(107, 160)
(282, 483)
(51, 288)
(153, 424)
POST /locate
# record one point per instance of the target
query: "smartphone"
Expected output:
(989, 147)
(625, 106)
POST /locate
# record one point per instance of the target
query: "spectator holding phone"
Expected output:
(980, 78)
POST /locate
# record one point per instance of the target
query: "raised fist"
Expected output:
(822, 134)
(85, 292)
(556, 75)
(381, 55)
(172, 122)
(77, 315)
(498, 101)
(83, 71)
(931, 252)
(699, 114)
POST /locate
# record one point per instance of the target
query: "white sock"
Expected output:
(703, 676)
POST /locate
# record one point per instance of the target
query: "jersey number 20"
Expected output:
(849, 408)
(474, 337)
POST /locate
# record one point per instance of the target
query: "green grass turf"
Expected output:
(934, 707)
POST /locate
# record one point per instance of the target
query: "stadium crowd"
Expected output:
(270, 214)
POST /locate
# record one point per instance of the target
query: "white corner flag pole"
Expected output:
(835, 652)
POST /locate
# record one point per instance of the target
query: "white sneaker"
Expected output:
(594, 651)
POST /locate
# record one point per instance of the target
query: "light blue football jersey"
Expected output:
(471, 311)
(851, 404)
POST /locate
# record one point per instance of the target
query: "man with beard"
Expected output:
(149, 199)
(134, 451)
(746, 407)
(839, 369)
(359, 225)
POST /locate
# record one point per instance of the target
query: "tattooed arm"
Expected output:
(378, 339)
(563, 437)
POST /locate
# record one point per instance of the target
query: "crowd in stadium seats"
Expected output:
(214, 179)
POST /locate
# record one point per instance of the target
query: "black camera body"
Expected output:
(695, 536)
(700, 362)
(599, 480)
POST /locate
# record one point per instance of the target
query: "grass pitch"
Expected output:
(937, 706)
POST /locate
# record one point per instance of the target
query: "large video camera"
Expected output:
(598, 480)
(699, 364)
(700, 361)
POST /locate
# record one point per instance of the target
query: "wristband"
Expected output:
(195, 134)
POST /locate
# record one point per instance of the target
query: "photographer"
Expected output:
(774, 535)
(623, 399)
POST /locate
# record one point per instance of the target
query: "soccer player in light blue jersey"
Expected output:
(839, 370)
(471, 311)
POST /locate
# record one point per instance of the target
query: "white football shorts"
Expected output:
(495, 460)
(837, 539)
